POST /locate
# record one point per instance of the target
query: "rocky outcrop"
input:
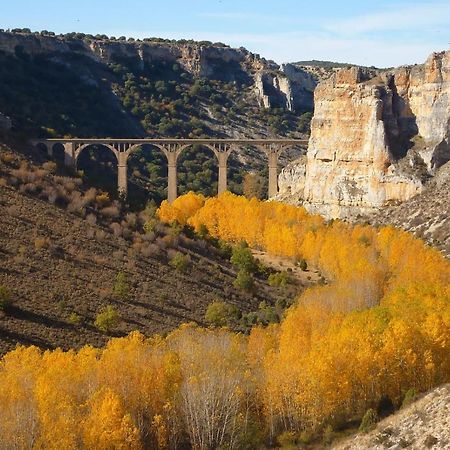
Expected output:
(424, 106)
(291, 181)
(374, 138)
(292, 89)
(274, 86)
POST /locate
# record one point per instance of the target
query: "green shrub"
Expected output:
(74, 319)
(121, 287)
(180, 262)
(107, 320)
(302, 264)
(243, 259)
(368, 421)
(220, 314)
(244, 280)
(280, 279)
(5, 298)
(410, 396)
(267, 314)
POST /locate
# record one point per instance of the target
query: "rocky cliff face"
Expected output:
(373, 137)
(286, 86)
(293, 88)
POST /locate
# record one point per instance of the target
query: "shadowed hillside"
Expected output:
(64, 247)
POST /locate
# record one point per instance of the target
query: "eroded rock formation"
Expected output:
(375, 136)
(274, 86)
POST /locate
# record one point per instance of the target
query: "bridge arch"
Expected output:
(172, 148)
(82, 147)
(148, 163)
(42, 147)
(100, 165)
(57, 152)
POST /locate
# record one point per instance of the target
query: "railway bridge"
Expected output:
(172, 148)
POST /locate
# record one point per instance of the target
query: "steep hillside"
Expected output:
(420, 425)
(63, 249)
(427, 215)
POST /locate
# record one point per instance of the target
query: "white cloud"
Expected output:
(400, 34)
(395, 18)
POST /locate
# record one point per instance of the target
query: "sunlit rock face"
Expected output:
(374, 136)
(424, 91)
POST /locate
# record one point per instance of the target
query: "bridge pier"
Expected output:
(172, 187)
(273, 174)
(69, 155)
(49, 150)
(222, 182)
(122, 179)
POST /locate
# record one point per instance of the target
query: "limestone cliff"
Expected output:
(373, 136)
(293, 88)
(274, 86)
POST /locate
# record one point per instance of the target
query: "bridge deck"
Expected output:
(179, 141)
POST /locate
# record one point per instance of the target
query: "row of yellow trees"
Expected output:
(379, 328)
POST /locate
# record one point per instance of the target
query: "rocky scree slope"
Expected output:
(422, 425)
(376, 137)
(427, 215)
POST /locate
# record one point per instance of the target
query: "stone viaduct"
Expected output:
(172, 148)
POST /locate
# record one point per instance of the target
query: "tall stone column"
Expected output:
(172, 176)
(273, 173)
(122, 180)
(222, 185)
(69, 155)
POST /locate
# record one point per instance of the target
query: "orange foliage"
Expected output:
(181, 209)
(380, 327)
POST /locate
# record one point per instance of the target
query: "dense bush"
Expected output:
(107, 320)
(243, 259)
(180, 262)
(244, 280)
(221, 314)
(121, 286)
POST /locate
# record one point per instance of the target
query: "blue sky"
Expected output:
(381, 33)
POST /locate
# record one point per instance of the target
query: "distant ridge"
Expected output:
(326, 64)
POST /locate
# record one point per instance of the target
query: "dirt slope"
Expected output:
(57, 264)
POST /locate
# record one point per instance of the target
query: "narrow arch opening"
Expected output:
(236, 173)
(42, 148)
(58, 154)
(99, 166)
(147, 176)
(198, 171)
(256, 173)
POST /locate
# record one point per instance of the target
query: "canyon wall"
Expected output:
(376, 136)
(274, 86)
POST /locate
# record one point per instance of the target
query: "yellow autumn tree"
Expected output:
(108, 425)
